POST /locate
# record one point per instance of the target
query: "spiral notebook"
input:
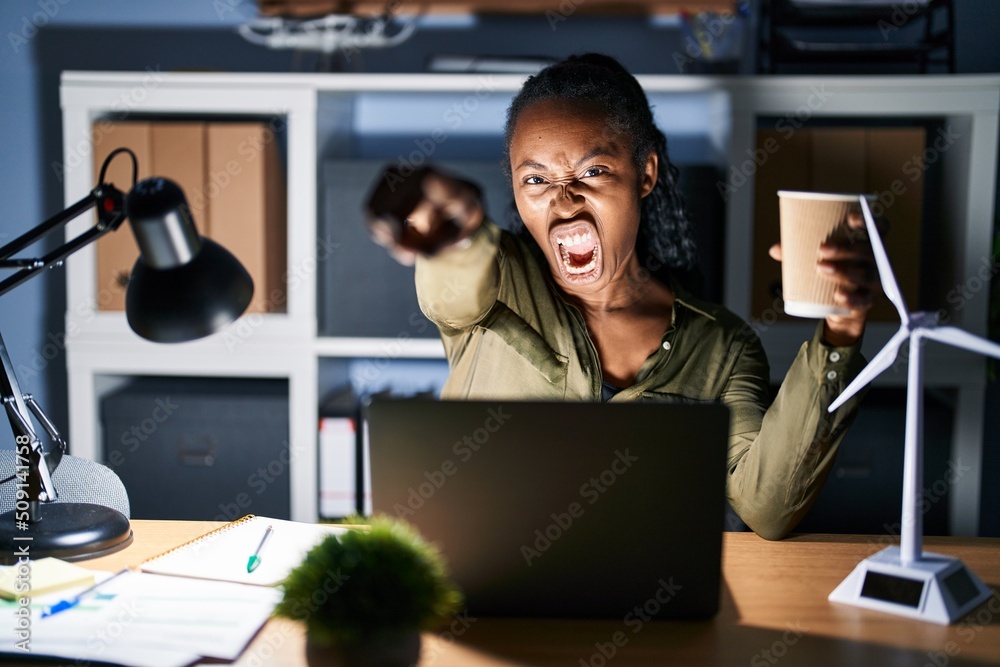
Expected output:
(223, 553)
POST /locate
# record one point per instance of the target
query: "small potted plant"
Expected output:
(365, 596)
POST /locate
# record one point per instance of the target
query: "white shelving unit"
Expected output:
(101, 349)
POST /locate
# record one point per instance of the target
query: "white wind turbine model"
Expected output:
(906, 580)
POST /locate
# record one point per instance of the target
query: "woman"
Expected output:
(589, 303)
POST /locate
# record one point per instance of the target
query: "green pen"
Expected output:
(254, 561)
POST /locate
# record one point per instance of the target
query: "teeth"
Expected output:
(575, 240)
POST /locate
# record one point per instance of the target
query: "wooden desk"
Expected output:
(774, 610)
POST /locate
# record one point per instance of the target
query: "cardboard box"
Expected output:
(232, 177)
(840, 159)
(179, 154)
(245, 188)
(117, 251)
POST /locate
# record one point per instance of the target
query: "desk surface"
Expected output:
(774, 605)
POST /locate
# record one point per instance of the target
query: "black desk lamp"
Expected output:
(183, 287)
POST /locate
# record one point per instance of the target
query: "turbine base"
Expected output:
(935, 587)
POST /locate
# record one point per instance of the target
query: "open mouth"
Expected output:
(579, 251)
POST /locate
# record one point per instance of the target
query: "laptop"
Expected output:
(558, 509)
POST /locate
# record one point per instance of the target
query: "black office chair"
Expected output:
(815, 36)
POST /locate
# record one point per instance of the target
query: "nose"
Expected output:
(567, 200)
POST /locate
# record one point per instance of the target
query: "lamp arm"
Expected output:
(56, 221)
(38, 481)
(38, 461)
(110, 203)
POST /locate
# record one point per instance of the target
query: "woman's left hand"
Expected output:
(850, 263)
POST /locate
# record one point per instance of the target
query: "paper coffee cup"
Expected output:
(809, 219)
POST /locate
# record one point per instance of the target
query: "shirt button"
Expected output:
(832, 375)
(835, 357)
(666, 345)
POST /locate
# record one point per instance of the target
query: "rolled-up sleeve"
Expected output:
(780, 457)
(458, 286)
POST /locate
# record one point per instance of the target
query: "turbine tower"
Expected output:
(906, 580)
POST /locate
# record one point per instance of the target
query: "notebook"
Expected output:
(607, 510)
(222, 554)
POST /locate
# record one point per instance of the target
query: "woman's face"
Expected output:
(578, 191)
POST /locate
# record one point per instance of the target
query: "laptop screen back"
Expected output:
(561, 509)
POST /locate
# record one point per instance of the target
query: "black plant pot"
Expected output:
(401, 649)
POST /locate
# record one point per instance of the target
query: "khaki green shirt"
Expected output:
(508, 332)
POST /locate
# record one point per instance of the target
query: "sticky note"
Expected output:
(41, 576)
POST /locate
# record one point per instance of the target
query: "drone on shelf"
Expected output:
(335, 33)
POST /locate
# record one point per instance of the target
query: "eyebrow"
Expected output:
(594, 152)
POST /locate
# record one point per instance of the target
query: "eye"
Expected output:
(595, 171)
(534, 180)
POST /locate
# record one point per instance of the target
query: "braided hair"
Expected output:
(665, 242)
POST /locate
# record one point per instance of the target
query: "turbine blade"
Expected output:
(886, 275)
(881, 361)
(959, 338)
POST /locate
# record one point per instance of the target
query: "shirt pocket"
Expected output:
(526, 343)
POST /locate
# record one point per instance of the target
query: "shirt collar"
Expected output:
(688, 300)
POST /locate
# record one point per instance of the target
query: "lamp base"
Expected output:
(935, 588)
(70, 531)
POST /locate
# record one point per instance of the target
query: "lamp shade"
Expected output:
(183, 286)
